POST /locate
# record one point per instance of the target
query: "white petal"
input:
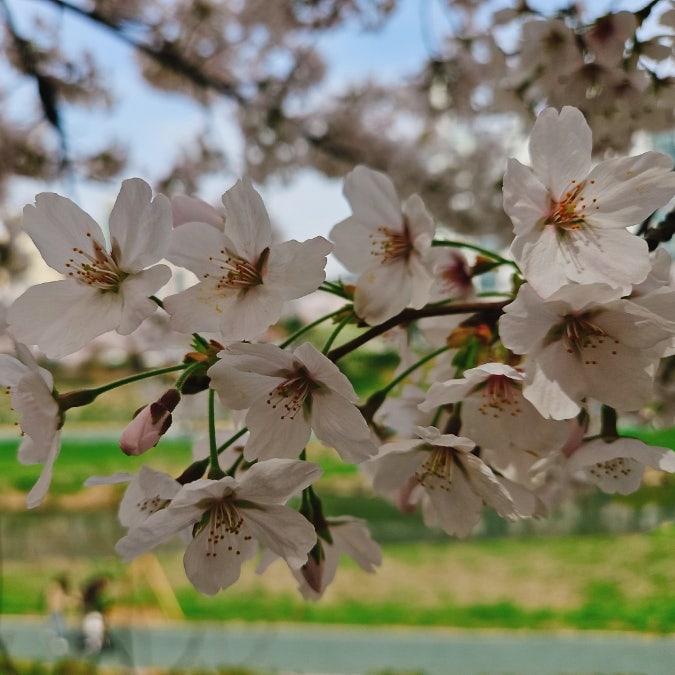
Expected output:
(560, 148)
(140, 227)
(246, 221)
(324, 372)
(274, 481)
(526, 200)
(39, 490)
(193, 245)
(63, 316)
(136, 291)
(340, 425)
(373, 199)
(629, 189)
(282, 530)
(295, 268)
(57, 226)
(213, 560)
(274, 432)
(383, 292)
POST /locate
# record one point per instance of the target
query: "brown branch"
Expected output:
(409, 315)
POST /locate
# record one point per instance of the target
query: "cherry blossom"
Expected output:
(244, 279)
(617, 465)
(570, 220)
(440, 471)
(32, 390)
(497, 416)
(386, 245)
(230, 516)
(583, 342)
(105, 288)
(289, 394)
(349, 535)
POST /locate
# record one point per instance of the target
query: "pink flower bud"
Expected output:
(149, 425)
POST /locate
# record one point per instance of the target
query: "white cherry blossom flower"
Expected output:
(386, 245)
(104, 288)
(618, 465)
(350, 536)
(570, 220)
(583, 342)
(148, 492)
(289, 394)
(497, 416)
(440, 471)
(32, 390)
(244, 279)
(230, 517)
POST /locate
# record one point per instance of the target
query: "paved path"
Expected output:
(355, 651)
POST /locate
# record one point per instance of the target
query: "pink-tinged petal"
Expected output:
(543, 261)
(526, 201)
(422, 281)
(213, 559)
(193, 209)
(421, 226)
(198, 308)
(354, 245)
(560, 148)
(340, 425)
(614, 257)
(282, 530)
(57, 226)
(194, 245)
(373, 199)
(275, 481)
(140, 226)
(526, 321)
(148, 491)
(634, 328)
(382, 292)
(556, 386)
(63, 316)
(136, 291)
(352, 536)
(248, 315)
(324, 372)
(38, 492)
(485, 483)
(35, 403)
(457, 510)
(295, 268)
(246, 221)
(11, 370)
(449, 391)
(629, 189)
(239, 389)
(262, 358)
(275, 432)
(155, 530)
(395, 464)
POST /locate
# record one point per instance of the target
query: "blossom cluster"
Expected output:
(507, 400)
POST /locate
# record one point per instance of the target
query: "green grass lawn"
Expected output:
(614, 582)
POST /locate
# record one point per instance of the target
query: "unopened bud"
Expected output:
(149, 424)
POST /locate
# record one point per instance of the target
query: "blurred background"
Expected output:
(191, 95)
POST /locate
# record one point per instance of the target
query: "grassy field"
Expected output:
(614, 582)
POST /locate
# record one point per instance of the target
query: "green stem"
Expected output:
(135, 378)
(399, 378)
(479, 249)
(215, 471)
(334, 289)
(309, 327)
(331, 338)
(232, 439)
